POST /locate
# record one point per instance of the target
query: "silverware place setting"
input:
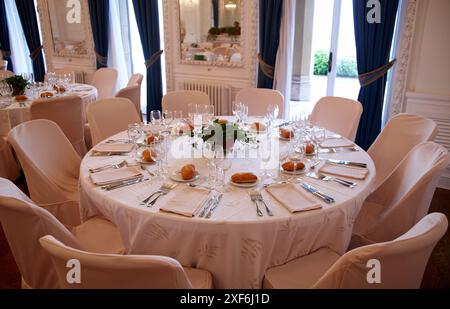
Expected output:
(165, 189)
(109, 166)
(257, 197)
(322, 177)
(314, 191)
(338, 149)
(124, 183)
(349, 163)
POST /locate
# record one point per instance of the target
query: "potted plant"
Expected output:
(18, 84)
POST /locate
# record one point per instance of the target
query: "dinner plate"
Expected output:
(298, 172)
(140, 161)
(245, 185)
(176, 176)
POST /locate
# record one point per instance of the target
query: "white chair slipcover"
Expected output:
(110, 116)
(105, 80)
(402, 262)
(258, 100)
(340, 115)
(404, 198)
(24, 223)
(180, 100)
(135, 79)
(108, 271)
(5, 74)
(3, 65)
(401, 134)
(67, 113)
(9, 168)
(133, 93)
(51, 166)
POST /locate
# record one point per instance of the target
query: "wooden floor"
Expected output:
(437, 274)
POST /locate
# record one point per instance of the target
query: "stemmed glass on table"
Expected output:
(134, 133)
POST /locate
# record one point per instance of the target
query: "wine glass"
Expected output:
(157, 153)
(167, 118)
(134, 133)
(272, 114)
(237, 111)
(209, 153)
(265, 155)
(156, 117)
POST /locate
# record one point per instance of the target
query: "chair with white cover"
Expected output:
(9, 168)
(51, 166)
(110, 116)
(3, 65)
(24, 223)
(135, 79)
(404, 198)
(105, 80)
(111, 271)
(258, 99)
(401, 134)
(402, 262)
(67, 113)
(340, 115)
(133, 93)
(5, 74)
(180, 100)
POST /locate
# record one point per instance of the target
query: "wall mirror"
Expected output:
(210, 32)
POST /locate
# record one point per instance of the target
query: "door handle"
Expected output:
(330, 62)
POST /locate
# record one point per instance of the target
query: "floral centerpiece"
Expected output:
(223, 134)
(18, 84)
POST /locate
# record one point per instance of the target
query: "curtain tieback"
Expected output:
(368, 78)
(266, 68)
(101, 59)
(155, 57)
(5, 53)
(35, 53)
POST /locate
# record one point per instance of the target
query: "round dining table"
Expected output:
(13, 113)
(235, 244)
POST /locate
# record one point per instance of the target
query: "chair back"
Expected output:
(24, 223)
(180, 100)
(258, 99)
(340, 115)
(135, 79)
(133, 93)
(67, 113)
(401, 134)
(401, 262)
(110, 116)
(108, 271)
(105, 80)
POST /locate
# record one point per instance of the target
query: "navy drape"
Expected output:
(4, 36)
(269, 36)
(99, 13)
(215, 5)
(28, 19)
(148, 24)
(373, 46)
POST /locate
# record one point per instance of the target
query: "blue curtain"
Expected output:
(5, 49)
(148, 24)
(373, 47)
(215, 5)
(28, 19)
(99, 12)
(269, 36)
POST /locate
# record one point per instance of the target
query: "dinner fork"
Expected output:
(254, 198)
(109, 166)
(163, 190)
(259, 198)
(329, 178)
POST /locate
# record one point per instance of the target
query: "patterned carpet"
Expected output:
(437, 274)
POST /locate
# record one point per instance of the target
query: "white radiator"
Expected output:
(219, 94)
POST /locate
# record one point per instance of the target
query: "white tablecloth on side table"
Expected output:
(235, 245)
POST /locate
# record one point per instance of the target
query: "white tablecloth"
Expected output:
(235, 245)
(14, 114)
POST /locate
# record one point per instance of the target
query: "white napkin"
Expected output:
(114, 148)
(344, 170)
(109, 177)
(337, 143)
(292, 198)
(186, 202)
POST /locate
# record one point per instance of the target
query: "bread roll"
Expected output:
(244, 178)
(21, 98)
(309, 149)
(188, 172)
(258, 127)
(46, 94)
(293, 166)
(147, 156)
(285, 133)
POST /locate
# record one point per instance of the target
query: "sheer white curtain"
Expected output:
(284, 62)
(116, 53)
(20, 54)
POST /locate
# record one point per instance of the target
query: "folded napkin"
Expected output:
(109, 177)
(114, 148)
(344, 170)
(292, 198)
(337, 143)
(186, 202)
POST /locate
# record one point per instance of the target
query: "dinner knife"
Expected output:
(283, 124)
(124, 184)
(342, 162)
(327, 199)
(214, 207)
